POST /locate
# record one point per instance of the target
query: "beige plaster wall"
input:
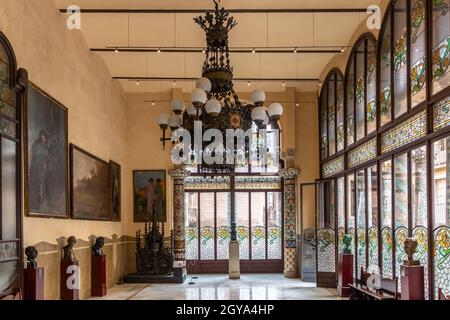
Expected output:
(59, 61)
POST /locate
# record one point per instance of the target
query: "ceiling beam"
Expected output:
(234, 79)
(129, 11)
(197, 50)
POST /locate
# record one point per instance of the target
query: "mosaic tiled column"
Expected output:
(290, 222)
(178, 176)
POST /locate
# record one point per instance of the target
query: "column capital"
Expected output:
(179, 173)
(290, 173)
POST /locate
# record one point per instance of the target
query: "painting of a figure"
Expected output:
(89, 186)
(149, 195)
(114, 190)
(46, 156)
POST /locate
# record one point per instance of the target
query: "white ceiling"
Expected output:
(255, 30)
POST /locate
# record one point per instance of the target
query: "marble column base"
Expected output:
(234, 271)
(290, 274)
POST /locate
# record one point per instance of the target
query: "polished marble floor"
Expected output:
(219, 287)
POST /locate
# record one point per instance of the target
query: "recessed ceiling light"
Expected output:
(153, 104)
(297, 104)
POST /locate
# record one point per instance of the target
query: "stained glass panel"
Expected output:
(386, 219)
(258, 225)
(223, 224)
(4, 72)
(350, 93)
(207, 232)
(418, 50)
(340, 114)
(419, 197)
(441, 45)
(274, 219)
(242, 219)
(401, 209)
(331, 116)
(408, 131)
(385, 75)
(441, 114)
(371, 112)
(7, 94)
(441, 215)
(191, 225)
(326, 255)
(361, 221)
(362, 153)
(372, 215)
(351, 211)
(400, 48)
(360, 94)
(341, 212)
(323, 124)
(7, 127)
(206, 183)
(333, 167)
(255, 182)
(7, 110)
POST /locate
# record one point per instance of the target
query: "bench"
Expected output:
(388, 289)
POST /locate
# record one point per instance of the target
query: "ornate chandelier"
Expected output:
(214, 101)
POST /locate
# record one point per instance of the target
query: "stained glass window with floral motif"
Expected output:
(418, 49)
(419, 197)
(340, 113)
(360, 94)
(400, 48)
(371, 112)
(385, 75)
(331, 116)
(441, 114)
(386, 219)
(351, 212)
(401, 209)
(361, 221)
(323, 124)
(350, 93)
(441, 215)
(441, 45)
(372, 215)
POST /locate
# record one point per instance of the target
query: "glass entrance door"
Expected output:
(258, 216)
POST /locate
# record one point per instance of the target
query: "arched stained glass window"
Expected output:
(441, 45)
(332, 114)
(361, 95)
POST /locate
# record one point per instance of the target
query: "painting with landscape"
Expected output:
(149, 195)
(89, 186)
(46, 156)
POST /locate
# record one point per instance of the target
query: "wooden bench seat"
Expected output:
(388, 289)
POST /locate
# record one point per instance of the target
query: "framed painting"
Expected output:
(149, 195)
(45, 156)
(89, 186)
(114, 190)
